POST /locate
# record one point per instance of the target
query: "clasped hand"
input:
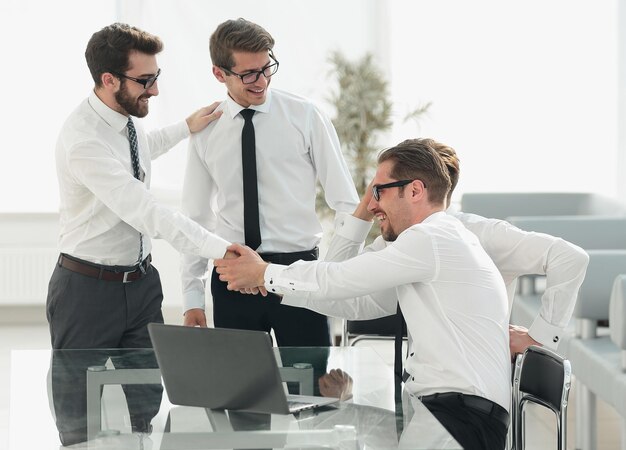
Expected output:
(242, 269)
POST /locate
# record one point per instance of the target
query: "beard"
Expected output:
(389, 235)
(388, 232)
(131, 104)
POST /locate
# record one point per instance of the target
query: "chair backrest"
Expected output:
(588, 232)
(381, 328)
(595, 293)
(544, 378)
(501, 205)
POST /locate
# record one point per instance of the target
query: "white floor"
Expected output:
(540, 424)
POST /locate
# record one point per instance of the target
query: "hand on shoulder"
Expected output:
(202, 117)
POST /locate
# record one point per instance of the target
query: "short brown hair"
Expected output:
(417, 159)
(108, 50)
(452, 162)
(238, 35)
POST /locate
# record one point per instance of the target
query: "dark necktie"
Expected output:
(252, 231)
(134, 159)
(400, 332)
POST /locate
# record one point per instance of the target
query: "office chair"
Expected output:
(544, 378)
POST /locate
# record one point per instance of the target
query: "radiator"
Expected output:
(24, 274)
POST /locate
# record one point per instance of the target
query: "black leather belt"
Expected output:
(471, 401)
(106, 273)
(290, 258)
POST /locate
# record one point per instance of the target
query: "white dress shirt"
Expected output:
(296, 145)
(452, 295)
(103, 206)
(515, 253)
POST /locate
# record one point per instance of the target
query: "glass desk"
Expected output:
(50, 389)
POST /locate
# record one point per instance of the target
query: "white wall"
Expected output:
(43, 78)
(526, 92)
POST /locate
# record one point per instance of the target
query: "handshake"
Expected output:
(242, 269)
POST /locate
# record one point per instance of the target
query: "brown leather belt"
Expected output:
(106, 273)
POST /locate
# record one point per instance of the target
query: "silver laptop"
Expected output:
(221, 368)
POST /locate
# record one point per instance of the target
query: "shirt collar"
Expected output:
(114, 119)
(233, 108)
(434, 216)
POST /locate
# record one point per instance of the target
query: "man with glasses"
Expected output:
(104, 289)
(268, 200)
(451, 293)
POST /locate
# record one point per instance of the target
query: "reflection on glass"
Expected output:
(316, 356)
(337, 384)
(68, 389)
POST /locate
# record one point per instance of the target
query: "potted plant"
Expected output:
(363, 113)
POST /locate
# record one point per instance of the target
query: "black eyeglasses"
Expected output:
(377, 188)
(147, 83)
(253, 75)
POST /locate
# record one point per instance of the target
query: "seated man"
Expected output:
(515, 253)
(447, 286)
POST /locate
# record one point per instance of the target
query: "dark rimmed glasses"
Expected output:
(147, 83)
(377, 188)
(253, 75)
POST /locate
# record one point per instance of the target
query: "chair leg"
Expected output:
(519, 428)
(623, 426)
(510, 439)
(521, 445)
(561, 432)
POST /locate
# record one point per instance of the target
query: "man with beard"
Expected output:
(104, 289)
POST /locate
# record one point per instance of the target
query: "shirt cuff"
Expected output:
(277, 283)
(193, 299)
(352, 228)
(545, 333)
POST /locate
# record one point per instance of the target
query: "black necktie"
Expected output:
(400, 332)
(252, 231)
(134, 159)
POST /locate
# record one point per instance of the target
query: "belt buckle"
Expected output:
(125, 279)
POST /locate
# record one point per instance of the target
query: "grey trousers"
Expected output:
(87, 313)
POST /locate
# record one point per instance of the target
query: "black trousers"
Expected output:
(88, 313)
(293, 327)
(473, 428)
